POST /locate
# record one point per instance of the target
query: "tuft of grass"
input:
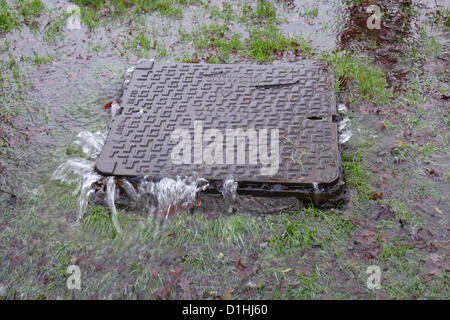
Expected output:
(8, 17)
(356, 174)
(370, 81)
(263, 42)
(309, 12)
(94, 11)
(30, 8)
(141, 44)
(414, 153)
(264, 9)
(217, 36)
(99, 221)
(39, 60)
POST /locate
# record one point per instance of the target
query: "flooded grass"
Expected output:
(54, 84)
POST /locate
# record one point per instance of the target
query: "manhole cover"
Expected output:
(270, 127)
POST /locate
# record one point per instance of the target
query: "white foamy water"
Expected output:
(165, 198)
(315, 186)
(82, 170)
(345, 132)
(161, 199)
(91, 144)
(115, 107)
(229, 192)
(110, 199)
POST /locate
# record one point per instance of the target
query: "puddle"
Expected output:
(319, 21)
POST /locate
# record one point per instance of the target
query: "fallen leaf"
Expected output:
(376, 196)
(240, 265)
(164, 292)
(171, 235)
(109, 104)
(438, 210)
(380, 126)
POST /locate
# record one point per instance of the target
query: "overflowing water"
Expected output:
(315, 186)
(166, 197)
(81, 171)
(342, 108)
(345, 132)
(115, 108)
(160, 199)
(90, 143)
(229, 192)
(110, 199)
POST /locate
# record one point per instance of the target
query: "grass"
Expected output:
(55, 30)
(309, 12)
(99, 221)
(23, 12)
(265, 10)
(94, 11)
(264, 42)
(217, 36)
(8, 17)
(357, 175)
(370, 81)
(416, 154)
(141, 44)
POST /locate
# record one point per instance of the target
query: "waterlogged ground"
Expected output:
(55, 82)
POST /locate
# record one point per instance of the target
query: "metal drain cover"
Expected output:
(265, 125)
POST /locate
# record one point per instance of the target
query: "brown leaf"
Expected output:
(369, 241)
(171, 235)
(438, 210)
(376, 196)
(240, 265)
(380, 126)
(164, 292)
